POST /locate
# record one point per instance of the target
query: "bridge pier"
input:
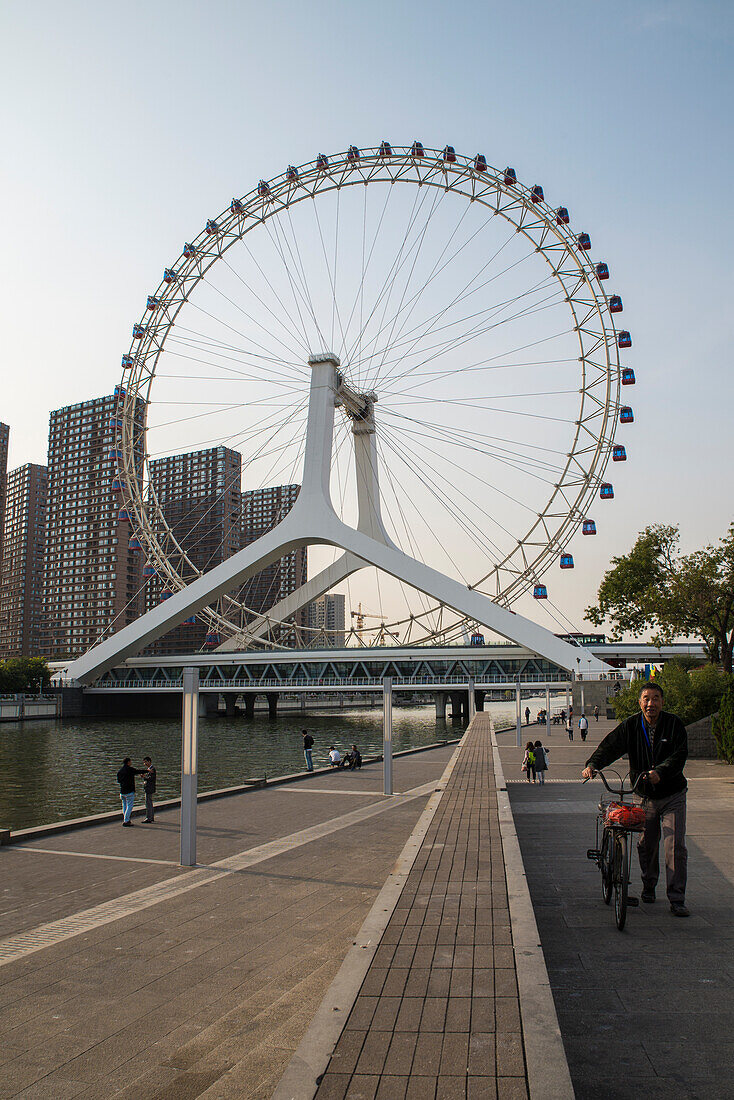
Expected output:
(249, 700)
(208, 704)
(272, 698)
(440, 698)
(230, 705)
(479, 696)
(459, 706)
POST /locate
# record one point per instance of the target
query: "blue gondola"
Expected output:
(133, 543)
(169, 275)
(117, 485)
(353, 154)
(417, 150)
(562, 215)
(449, 154)
(322, 162)
(476, 639)
(385, 149)
(191, 621)
(626, 415)
(115, 424)
(119, 391)
(127, 362)
(537, 194)
(189, 250)
(615, 304)
(510, 177)
(263, 189)
(166, 595)
(480, 163)
(149, 571)
(566, 561)
(619, 454)
(540, 592)
(602, 271)
(606, 491)
(152, 302)
(138, 332)
(211, 227)
(588, 527)
(115, 455)
(628, 376)
(291, 174)
(236, 206)
(123, 516)
(624, 340)
(583, 240)
(212, 639)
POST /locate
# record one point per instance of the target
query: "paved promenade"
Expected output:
(649, 1011)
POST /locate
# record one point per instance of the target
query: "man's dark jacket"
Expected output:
(126, 778)
(668, 755)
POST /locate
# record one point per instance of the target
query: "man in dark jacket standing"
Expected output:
(657, 746)
(126, 779)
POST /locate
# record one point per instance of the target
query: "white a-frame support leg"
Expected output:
(313, 521)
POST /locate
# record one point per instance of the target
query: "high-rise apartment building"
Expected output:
(21, 577)
(4, 440)
(92, 570)
(199, 494)
(328, 615)
(262, 509)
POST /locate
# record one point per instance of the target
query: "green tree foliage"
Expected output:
(23, 674)
(724, 725)
(689, 693)
(654, 586)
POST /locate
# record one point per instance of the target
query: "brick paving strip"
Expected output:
(445, 993)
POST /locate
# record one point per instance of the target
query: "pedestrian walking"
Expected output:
(541, 761)
(126, 779)
(527, 716)
(583, 726)
(656, 744)
(528, 761)
(149, 777)
(308, 749)
(596, 713)
(569, 728)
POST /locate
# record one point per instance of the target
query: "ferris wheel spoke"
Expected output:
(200, 342)
(291, 329)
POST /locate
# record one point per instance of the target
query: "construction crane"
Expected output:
(382, 631)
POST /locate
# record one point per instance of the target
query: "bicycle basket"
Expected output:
(625, 816)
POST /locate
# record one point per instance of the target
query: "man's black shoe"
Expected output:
(127, 824)
(678, 909)
(648, 896)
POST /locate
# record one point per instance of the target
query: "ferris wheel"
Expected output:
(454, 295)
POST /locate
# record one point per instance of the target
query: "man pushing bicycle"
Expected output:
(657, 745)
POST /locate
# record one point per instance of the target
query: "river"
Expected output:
(55, 770)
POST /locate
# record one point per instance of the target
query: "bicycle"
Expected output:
(617, 820)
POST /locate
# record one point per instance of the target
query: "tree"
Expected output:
(676, 595)
(724, 726)
(689, 693)
(24, 674)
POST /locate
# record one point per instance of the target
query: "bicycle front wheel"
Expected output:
(606, 864)
(621, 879)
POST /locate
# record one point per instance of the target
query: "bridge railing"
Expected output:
(331, 682)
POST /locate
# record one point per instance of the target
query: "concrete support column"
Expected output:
(249, 699)
(479, 697)
(272, 698)
(518, 717)
(568, 700)
(441, 705)
(547, 712)
(471, 701)
(189, 764)
(230, 704)
(458, 705)
(387, 734)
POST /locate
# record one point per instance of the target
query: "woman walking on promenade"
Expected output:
(541, 761)
(528, 761)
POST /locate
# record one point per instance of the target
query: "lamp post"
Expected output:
(387, 734)
(189, 764)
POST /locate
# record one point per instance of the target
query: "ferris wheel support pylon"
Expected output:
(313, 521)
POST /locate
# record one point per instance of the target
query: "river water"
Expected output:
(55, 770)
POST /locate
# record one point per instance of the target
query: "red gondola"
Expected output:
(628, 376)
(236, 206)
(626, 415)
(417, 150)
(322, 162)
(606, 492)
(583, 240)
(615, 304)
(480, 163)
(263, 189)
(152, 303)
(212, 639)
(624, 340)
(562, 215)
(117, 485)
(537, 194)
(191, 621)
(169, 275)
(189, 251)
(123, 516)
(449, 154)
(540, 592)
(127, 362)
(291, 174)
(119, 391)
(588, 527)
(385, 149)
(133, 543)
(353, 154)
(619, 454)
(566, 561)
(138, 332)
(510, 177)
(149, 571)
(602, 271)
(115, 455)
(211, 227)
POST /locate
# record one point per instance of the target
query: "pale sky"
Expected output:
(126, 126)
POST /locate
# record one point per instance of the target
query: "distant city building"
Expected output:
(200, 496)
(328, 614)
(4, 439)
(263, 509)
(21, 577)
(92, 571)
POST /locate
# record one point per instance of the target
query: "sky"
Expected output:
(126, 126)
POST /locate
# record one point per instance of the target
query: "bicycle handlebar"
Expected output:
(621, 792)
